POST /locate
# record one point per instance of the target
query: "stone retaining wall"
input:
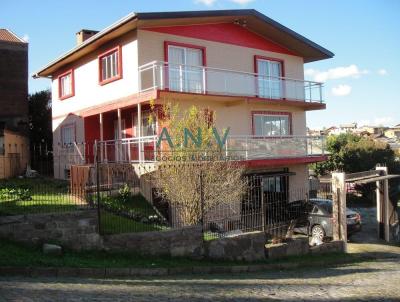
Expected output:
(244, 247)
(185, 242)
(76, 230)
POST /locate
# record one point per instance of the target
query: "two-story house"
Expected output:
(242, 65)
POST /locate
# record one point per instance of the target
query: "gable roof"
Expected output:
(8, 36)
(254, 20)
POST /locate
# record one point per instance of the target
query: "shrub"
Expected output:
(124, 193)
(12, 193)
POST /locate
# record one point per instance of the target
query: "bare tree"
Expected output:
(194, 176)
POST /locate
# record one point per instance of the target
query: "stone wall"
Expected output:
(299, 247)
(76, 230)
(185, 242)
(244, 247)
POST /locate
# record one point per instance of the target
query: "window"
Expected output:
(66, 85)
(185, 67)
(68, 134)
(271, 124)
(123, 129)
(269, 80)
(110, 66)
(149, 124)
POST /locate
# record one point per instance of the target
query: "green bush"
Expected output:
(12, 193)
(124, 193)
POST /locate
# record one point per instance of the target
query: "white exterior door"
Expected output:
(269, 79)
(185, 71)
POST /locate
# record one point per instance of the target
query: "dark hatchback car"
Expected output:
(318, 223)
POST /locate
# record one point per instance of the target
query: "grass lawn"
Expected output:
(17, 255)
(36, 195)
(115, 224)
(136, 205)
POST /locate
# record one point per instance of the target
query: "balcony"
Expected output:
(237, 148)
(216, 81)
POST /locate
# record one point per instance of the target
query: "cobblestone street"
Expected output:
(368, 281)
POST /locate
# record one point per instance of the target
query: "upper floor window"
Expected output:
(66, 85)
(270, 73)
(276, 124)
(110, 66)
(185, 67)
(68, 134)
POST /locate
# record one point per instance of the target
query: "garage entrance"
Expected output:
(381, 222)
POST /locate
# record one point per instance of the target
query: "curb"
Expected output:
(110, 272)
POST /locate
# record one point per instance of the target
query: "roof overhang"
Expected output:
(254, 20)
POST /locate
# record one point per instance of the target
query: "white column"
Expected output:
(119, 143)
(382, 203)
(101, 136)
(139, 130)
(339, 207)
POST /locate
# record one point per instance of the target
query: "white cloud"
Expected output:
(377, 121)
(382, 72)
(206, 2)
(242, 2)
(336, 73)
(25, 38)
(341, 90)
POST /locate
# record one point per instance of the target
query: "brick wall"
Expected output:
(13, 82)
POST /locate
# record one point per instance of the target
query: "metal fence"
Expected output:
(127, 199)
(21, 196)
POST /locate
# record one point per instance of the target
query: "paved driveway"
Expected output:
(371, 281)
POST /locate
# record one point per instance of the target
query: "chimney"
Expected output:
(84, 34)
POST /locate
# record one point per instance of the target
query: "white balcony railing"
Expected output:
(237, 147)
(217, 81)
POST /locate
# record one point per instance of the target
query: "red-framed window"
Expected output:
(271, 123)
(110, 65)
(269, 73)
(66, 85)
(185, 67)
(68, 134)
(169, 44)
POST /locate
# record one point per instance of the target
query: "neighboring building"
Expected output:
(240, 64)
(393, 132)
(13, 81)
(348, 128)
(14, 155)
(371, 130)
(14, 145)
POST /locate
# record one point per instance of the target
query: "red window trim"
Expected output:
(172, 43)
(257, 57)
(104, 54)
(289, 114)
(65, 126)
(63, 97)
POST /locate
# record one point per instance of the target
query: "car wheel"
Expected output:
(318, 233)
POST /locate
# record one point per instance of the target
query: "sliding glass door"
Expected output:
(269, 79)
(185, 71)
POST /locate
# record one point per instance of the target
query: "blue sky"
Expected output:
(362, 80)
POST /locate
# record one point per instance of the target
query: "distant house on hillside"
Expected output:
(344, 128)
(371, 130)
(13, 103)
(393, 132)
